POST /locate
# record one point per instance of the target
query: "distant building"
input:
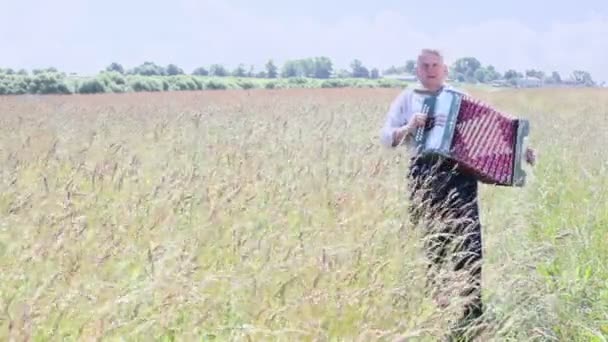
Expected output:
(529, 82)
(500, 83)
(402, 77)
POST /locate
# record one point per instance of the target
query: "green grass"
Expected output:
(276, 215)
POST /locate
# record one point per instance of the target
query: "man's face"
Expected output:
(431, 70)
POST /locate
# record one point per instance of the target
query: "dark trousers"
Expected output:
(444, 204)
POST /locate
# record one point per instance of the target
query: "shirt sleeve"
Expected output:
(396, 117)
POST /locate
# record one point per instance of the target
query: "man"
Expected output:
(443, 196)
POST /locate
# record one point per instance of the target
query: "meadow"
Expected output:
(275, 214)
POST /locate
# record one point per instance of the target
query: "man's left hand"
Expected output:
(530, 156)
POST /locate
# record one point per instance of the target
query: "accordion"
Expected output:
(478, 138)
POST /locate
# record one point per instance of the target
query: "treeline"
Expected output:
(55, 82)
(307, 72)
(315, 67)
(471, 70)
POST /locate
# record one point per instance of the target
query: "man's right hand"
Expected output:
(419, 120)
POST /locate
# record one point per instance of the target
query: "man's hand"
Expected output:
(530, 156)
(418, 120)
(422, 120)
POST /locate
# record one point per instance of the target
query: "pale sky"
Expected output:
(85, 36)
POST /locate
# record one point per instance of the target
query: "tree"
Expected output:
(535, 73)
(251, 72)
(486, 74)
(48, 82)
(200, 71)
(582, 77)
(391, 71)
(271, 69)
(290, 69)
(493, 75)
(555, 77)
(343, 73)
(239, 71)
(410, 66)
(218, 70)
(173, 70)
(375, 73)
(115, 67)
(47, 70)
(148, 69)
(480, 75)
(323, 67)
(512, 74)
(465, 68)
(358, 70)
(317, 67)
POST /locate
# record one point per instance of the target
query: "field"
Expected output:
(276, 215)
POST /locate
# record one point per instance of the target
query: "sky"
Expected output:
(84, 36)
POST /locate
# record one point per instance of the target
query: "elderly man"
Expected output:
(439, 192)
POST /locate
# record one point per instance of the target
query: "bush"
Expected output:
(145, 83)
(92, 86)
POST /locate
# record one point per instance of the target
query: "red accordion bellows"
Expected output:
(483, 141)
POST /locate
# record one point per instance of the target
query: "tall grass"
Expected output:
(276, 215)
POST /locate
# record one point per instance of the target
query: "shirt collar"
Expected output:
(420, 89)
